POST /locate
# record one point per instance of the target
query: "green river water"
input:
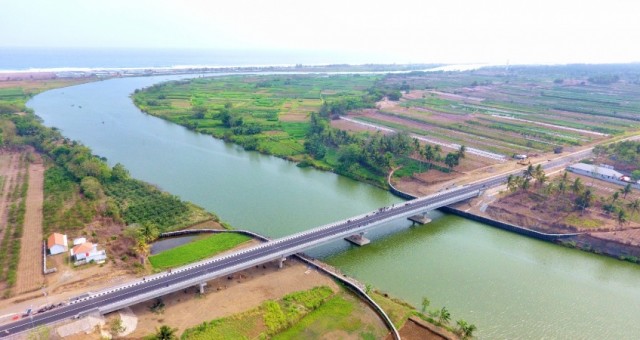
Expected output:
(508, 285)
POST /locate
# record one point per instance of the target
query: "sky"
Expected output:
(446, 31)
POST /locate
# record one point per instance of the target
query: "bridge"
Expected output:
(197, 274)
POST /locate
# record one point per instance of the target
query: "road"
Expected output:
(161, 284)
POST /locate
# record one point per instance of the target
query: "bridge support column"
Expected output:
(358, 239)
(281, 262)
(201, 287)
(419, 219)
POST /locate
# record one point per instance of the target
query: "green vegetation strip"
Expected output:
(309, 314)
(197, 250)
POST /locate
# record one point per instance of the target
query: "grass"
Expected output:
(197, 250)
(583, 222)
(398, 312)
(334, 314)
(310, 314)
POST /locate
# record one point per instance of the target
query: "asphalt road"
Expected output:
(167, 283)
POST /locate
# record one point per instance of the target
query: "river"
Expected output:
(508, 285)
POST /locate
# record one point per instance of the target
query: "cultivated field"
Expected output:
(30, 275)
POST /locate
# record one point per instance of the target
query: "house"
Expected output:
(57, 243)
(87, 252)
(603, 172)
(79, 240)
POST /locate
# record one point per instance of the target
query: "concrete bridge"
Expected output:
(197, 274)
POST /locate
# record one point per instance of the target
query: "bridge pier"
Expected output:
(419, 219)
(281, 262)
(358, 239)
(201, 287)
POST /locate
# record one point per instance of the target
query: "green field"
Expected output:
(310, 314)
(197, 250)
(269, 114)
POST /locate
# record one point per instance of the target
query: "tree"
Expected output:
(511, 183)
(119, 172)
(530, 172)
(526, 184)
(465, 329)
(451, 160)
(444, 316)
(148, 232)
(634, 206)
(462, 151)
(627, 190)
(615, 197)
(429, 153)
(584, 200)
(425, 303)
(577, 186)
(165, 333)
(142, 249)
(117, 327)
(622, 216)
(562, 187)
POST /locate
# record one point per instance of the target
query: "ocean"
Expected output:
(69, 59)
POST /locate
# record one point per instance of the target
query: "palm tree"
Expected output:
(462, 151)
(444, 316)
(148, 231)
(577, 186)
(626, 190)
(584, 200)
(425, 303)
(634, 206)
(622, 216)
(510, 183)
(142, 249)
(526, 184)
(429, 153)
(165, 333)
(550, 188)
(465, 329)
(562, 187)
(530, 172)
(615, 197)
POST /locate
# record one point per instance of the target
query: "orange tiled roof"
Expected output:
(55, 239)
(83, 248)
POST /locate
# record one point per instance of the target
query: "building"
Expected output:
(87, 252)
(57, 243)
(79, 240)
(603, 172)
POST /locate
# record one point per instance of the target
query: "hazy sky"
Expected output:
(494, 31)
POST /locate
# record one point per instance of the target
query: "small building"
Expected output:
(603, 172)
(87, 252)
(79, 240)
(520, 157)
(57, 243)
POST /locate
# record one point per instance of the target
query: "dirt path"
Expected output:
(30, 276)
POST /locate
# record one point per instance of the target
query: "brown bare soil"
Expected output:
(417, 329)
(244, 291)
(30, 276)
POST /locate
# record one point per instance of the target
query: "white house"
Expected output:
(79, 240)
(57, 243)
(87, 252)
(603, 172)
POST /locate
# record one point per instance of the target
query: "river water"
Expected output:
(508, 285)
